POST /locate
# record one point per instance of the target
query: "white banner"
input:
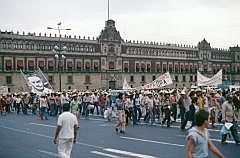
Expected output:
(3, 89)
(126, 85)
(37, 83)
(161, 81)
(213, 81)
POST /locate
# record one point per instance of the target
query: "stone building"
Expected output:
(105, 61)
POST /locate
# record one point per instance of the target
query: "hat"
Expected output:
(43, 95)
(198, 90)
(74, 95)
(183, 92)
(87, 92)
(148, 93)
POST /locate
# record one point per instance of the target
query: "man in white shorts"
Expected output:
(66, 132)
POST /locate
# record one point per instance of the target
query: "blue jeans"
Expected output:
(44, 112)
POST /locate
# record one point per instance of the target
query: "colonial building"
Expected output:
(105, 61)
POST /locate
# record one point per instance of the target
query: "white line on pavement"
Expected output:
(40, 124)
(105, 154)
(214, 140)
(128, 153)
(48, 153)
(152, 141)
(26, 132)
(89, 145)
(218, 140)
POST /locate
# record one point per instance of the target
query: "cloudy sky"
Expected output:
(171, 21)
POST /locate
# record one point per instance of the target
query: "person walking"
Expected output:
(66, 132)
(121, 114)
(74, 105)
(229, 115)
(198, 141)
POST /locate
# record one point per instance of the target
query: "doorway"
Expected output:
(112, 84)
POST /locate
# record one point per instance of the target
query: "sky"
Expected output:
(169, 21)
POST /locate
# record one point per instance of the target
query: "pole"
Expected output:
(108, 9)
(59, 50)
(59, 57)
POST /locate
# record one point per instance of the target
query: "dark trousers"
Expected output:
(96, 106)
(182, 114)
(137, 114)
(18, 107)
(167, 118)
(174, 111)
(188, 117)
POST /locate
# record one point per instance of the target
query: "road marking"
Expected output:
(218, 140)
(26, 132)
(105, 125)
(152, 141)
(48, 153)
(128, 153)
(105, 154)
(89, 145)
(214, 140)
(40, 124)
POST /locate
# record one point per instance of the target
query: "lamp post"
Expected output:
(59, 51)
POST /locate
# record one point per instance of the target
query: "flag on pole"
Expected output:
(126, 85)
(37, 82)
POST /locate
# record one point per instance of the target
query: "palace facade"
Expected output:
(105, 61)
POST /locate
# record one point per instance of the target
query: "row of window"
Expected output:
(162, 52)
(88, 79)
(46, 46)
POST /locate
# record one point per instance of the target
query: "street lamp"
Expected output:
(59, 51)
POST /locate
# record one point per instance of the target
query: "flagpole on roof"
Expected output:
(108, 9)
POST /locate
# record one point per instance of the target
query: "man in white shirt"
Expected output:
(66, 132)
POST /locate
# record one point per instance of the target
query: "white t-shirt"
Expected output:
(67, 121)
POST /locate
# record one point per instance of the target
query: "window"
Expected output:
(195, 78)
(19, 64)
(126, 67)
(131, 78)
(87, 66)
(70, 65)
(148, 67)
(79, 66)
(96, 65)
(191, 79)
(50, 65)
(143, 67)
(184, 78)
(176, 78)
(9, 79)
(111, 65)
(87, 79)
(153, 77)
(137, 67)
(143, 79)
(70, 79)
(8, 64)
(50, 79)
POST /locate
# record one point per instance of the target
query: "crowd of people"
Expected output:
(135, 107)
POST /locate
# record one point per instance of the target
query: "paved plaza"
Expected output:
(26, 137)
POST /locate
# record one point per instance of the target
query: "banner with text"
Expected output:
(161, 81)
(213, 81)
